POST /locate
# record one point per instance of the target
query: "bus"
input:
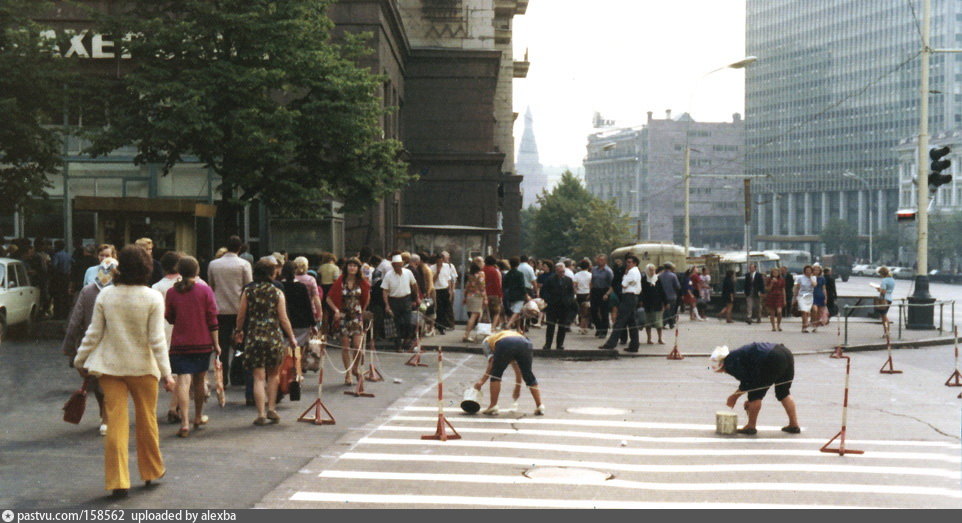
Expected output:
(655, 253)
(794, 260)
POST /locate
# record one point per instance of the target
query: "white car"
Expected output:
(864, 270)
(902, 273)
(19, 301)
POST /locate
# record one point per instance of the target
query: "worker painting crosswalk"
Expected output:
(569, 460)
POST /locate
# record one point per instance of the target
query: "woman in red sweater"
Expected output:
(349, 298)
(192, 310)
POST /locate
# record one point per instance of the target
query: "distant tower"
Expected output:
(529, 165)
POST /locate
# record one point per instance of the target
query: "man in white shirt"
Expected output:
(445, 281)
(400, 294)
(630, 291)
(582, 281)
(227, 276)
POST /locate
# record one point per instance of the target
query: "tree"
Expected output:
(30, 91)
(602, 228)
(944, 233)
(554, 219)
(570, 221)
(260, 93)
(839, 237)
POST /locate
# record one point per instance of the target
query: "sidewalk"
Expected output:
(699, 338)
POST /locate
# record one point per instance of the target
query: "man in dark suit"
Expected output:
(754, 290)
(558, 292)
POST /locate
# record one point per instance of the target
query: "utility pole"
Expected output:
(921, 312)
(687, 177)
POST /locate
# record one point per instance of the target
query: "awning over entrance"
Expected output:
(144, 205)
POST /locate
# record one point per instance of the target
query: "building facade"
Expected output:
(448, 70)
(641, 170)
(529, 164)
(834, 90)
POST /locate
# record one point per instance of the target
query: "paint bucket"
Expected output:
(726, 422)
(472, 401)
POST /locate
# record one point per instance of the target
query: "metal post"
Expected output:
(920, 314)
(687, 177)
(847, 314)
(941, 316)
(901, 316)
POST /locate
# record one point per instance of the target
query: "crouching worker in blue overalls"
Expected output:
(758, 366)
(505, 348)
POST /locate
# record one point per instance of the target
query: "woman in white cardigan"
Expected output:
(126, 348)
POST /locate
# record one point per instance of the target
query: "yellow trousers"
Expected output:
(143, 390)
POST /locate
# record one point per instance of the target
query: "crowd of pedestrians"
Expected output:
(137, 321)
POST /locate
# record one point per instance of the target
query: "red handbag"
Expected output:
(287, 374)
(73, 410)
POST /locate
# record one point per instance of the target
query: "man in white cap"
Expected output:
(758, 366)
(509, 347)
(400, 293)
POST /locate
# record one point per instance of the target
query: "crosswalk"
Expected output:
(564, 460)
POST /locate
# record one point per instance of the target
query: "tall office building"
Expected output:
(834, 91)
(529, 164)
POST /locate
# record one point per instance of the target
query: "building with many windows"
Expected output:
(640, 169)
(529, 164)
(447, 69)
(834, 90)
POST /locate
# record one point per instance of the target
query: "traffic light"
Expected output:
(937, 179)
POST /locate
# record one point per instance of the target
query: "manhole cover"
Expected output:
(579, 475)
(598, 411)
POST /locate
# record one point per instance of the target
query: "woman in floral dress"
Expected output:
(262, 315)
(348, 298)
(475, 298)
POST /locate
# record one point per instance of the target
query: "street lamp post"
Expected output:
(850, 174)
(921, 313)
(741, 64)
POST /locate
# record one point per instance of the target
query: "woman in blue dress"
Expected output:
(818, 297)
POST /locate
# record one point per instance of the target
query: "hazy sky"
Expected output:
(624, 58)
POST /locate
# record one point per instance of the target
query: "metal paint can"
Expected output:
(472, 400)
(726, 422)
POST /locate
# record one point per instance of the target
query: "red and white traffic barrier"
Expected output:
(675, 354)
(841, 450)
(839, 353)
(888, 362)
(318, 406)
(443, 424)
(955, 380)
(359, 391)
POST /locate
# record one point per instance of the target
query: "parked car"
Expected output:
(944, 276)
(902, 273)
(19, 301)
(865, 270)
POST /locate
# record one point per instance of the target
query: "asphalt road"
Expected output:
(47, 463)
(658, 450)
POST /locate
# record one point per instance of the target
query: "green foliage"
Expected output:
(886, 244)
(30, 90)
(259, 92)
(944, 233)
(601, 228)
(839, 236)
(570, 221)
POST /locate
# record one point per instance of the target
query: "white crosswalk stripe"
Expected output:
(621, 462)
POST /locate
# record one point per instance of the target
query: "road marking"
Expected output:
(493, 479)
(631, 467)
(575, 422)
(657, 439)
(646, 425)
(625, 451)
(398, 499)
